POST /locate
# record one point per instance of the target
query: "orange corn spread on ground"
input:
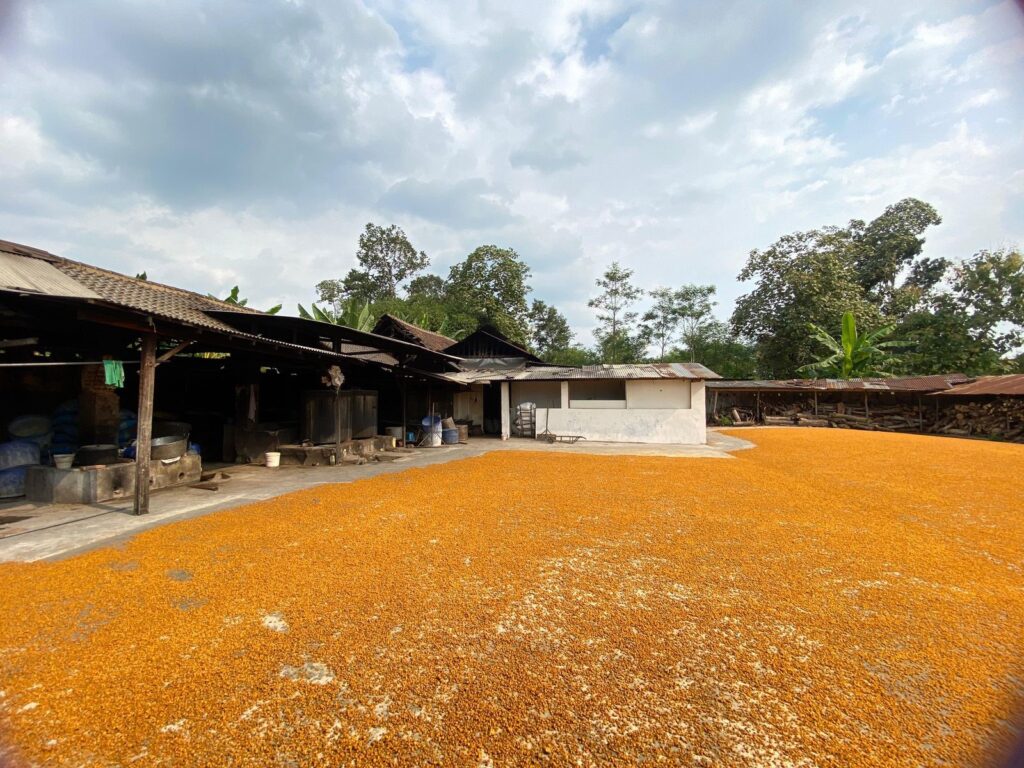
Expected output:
(828, 598)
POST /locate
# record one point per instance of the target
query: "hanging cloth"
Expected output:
(113, 372)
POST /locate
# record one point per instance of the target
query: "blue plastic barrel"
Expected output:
(18, 453)
(431, 424)
(449, 436)
(12, 482)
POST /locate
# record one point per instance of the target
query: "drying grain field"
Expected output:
(827, 598)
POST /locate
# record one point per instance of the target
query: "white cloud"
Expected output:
(249, 144)
(982, 99)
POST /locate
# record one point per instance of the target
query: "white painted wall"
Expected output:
(653, 412)
(663, 393)
(629, 425)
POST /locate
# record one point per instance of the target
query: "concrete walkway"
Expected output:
(54, 531)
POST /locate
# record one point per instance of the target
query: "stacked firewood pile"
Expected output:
(1002, 419)
(884, 418)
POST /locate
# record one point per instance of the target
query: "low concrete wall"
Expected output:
(627, 425)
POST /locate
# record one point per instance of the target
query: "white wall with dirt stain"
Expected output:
(659, 411)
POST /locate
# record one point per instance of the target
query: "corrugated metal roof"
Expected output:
(32, 275)
(934, 383)
(690, 371)
(1011, 384)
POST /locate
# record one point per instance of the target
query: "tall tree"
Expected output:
(387, 258)
(489, 286)
(549, 329)
(661, 321)
(802, 279)
(616, 334)
(695, 312)
(889, 245)
(873, 269)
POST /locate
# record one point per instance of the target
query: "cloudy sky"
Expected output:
(223, 142)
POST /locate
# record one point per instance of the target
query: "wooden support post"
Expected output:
(815, 403)
(920, 414)
(405, 406)
(144, 443)
(757, 407)
(867, 411)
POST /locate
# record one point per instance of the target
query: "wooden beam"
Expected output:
(172, 352)
(144, 443)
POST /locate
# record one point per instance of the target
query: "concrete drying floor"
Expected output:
(60, 530)
(828, 598)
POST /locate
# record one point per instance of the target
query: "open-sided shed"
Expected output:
(61, 319)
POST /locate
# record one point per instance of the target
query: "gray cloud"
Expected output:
(470, 203)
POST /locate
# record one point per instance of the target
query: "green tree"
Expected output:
(489, 286)
(616, 334)
(888, 246)
(549, 330)
(427, 287)
(574, 355)
(976, 324)
(853, 355)
(714, 346)
(806, 278)
(874, 269)
(233, 298)
(661, 321)
(388, 259)
(695, 312)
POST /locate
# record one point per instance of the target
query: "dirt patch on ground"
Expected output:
(828, 598)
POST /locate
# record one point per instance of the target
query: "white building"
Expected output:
(650, 403)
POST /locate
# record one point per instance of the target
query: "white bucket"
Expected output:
(63, 460)
(432, 440)
(273, 458)
(395, 432)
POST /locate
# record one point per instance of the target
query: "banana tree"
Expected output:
(854, 355)
(349, 314)
(234, 298)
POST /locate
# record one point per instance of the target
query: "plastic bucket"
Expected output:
(432, 440)
(450, 436)
(273, 458)
(63, 460)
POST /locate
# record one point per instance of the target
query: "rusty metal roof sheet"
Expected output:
(689, 371)
(1011, 384)
(922, 384)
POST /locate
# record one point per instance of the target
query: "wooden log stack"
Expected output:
(1000, 419)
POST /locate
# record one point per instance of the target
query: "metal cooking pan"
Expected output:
(169, 447)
